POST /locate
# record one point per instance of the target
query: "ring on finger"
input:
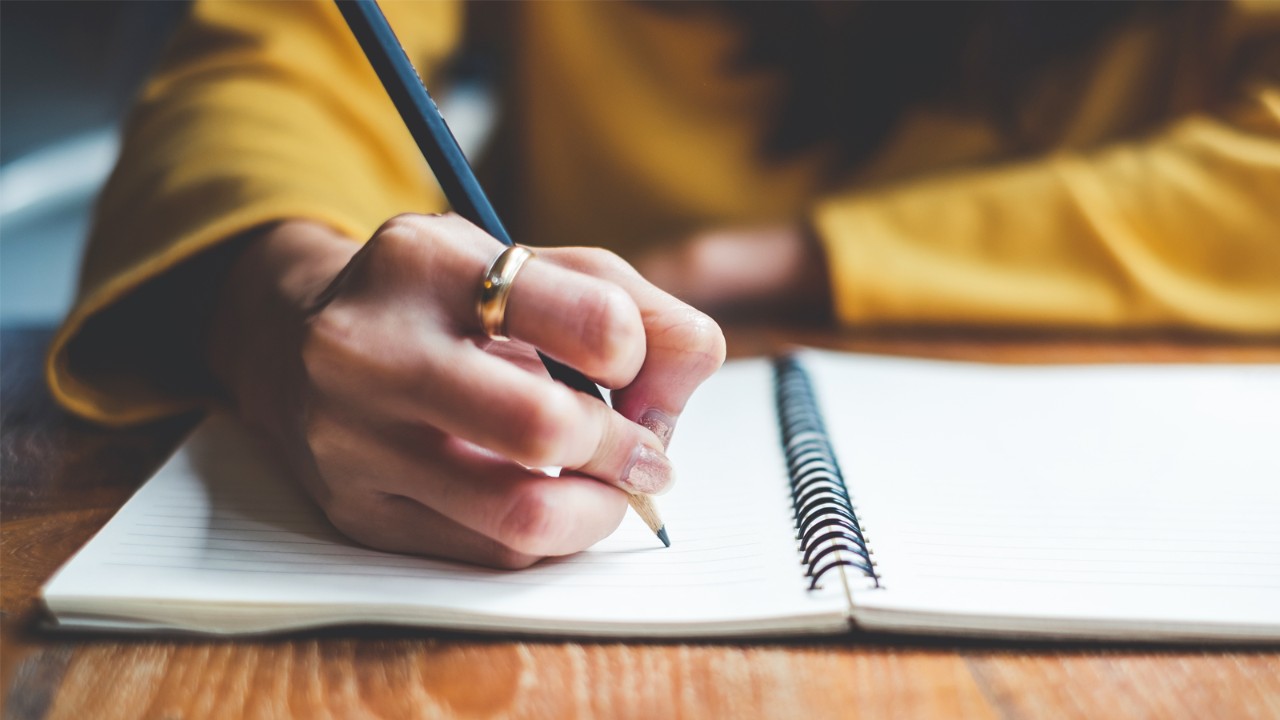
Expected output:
(495, 289)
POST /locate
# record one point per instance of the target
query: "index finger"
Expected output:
(684, 346)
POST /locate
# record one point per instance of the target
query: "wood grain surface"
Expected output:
(61, 479)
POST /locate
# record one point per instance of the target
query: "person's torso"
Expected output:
(625, 125)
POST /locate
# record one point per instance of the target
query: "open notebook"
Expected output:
(1135, 502)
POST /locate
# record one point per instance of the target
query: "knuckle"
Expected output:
(611, 329)
(607, 261)
(406, 242)
(598, 261)
(323, 346)
(326, 442)
(708, 338)
(533, 521)
(350, 517)
(409, 225)
(543, 435)
(400, 238)
(318, 433)
(504, 558)
(699, 339)
(404, 223)
(445, 248)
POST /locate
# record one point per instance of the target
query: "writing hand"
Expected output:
(366, 370)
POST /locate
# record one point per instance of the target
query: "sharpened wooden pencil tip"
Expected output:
(644, 507)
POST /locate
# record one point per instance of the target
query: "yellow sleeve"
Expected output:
(1177, 230)
(261, 111)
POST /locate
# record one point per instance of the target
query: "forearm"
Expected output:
(234, 132)
(1179, 230)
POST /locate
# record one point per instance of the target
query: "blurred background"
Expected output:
(68, 71)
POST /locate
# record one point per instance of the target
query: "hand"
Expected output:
(773, 273)
(368, 373)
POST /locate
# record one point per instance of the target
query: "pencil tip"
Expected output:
(662, 535)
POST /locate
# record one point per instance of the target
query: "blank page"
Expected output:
(1120, 500)
(217, 541)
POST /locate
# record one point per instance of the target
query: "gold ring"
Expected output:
(496, 289)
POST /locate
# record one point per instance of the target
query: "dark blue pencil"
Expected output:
(450, 166)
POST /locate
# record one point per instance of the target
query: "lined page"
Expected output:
(1139, 501)
(218, 542)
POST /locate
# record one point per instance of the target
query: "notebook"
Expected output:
(818, 493)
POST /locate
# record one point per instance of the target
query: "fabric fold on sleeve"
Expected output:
(1177, 230)
(243, 125)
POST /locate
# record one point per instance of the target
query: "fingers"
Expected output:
(408, 426)
(683, 346)
(535, 421)
(389, 488)
(396, 523)
(585, 322)
(590, 324)
(586, 308)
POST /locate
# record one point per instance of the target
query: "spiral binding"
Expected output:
(827, 525)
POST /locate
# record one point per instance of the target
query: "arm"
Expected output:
(256, 108)
(1180, 230)
(1175, 229)
(365, 372)
(224, 263)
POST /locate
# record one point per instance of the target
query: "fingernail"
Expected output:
(659, 423)
(650, 472)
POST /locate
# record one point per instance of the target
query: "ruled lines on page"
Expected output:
(220, 541)
(1066, 544)
(177, 530)
(1112, 494)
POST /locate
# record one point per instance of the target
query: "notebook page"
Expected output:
(1139, 501)
(217, 542)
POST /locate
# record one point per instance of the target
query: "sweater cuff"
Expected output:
(86, 383)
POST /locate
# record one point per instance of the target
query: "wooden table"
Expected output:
(62, 479)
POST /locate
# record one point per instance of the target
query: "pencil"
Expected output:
(453, 172)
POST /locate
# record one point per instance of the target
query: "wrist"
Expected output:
(265, 297)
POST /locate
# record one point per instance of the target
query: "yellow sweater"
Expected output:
(627, 130)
